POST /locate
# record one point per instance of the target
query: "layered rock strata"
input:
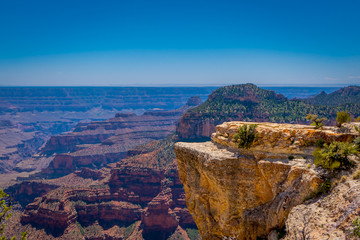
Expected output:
(140, 195)
(246, 194)
(98, 143)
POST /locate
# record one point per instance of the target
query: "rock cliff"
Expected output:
(245, 194)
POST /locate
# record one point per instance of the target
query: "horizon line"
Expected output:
(179, 85)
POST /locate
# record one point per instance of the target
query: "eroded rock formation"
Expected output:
(140, 196)
(98, 143)
(245, 194)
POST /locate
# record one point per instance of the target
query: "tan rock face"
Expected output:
(330, 217)
(246, 194)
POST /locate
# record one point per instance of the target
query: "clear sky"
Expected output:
(179, 42)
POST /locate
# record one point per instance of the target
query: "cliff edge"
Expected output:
(246, 194)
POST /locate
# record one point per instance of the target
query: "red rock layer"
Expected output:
(142, 188)
(96, 144)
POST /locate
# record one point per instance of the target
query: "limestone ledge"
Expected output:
(278, 141)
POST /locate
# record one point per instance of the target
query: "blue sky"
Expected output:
(155, 43)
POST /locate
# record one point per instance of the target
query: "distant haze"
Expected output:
(179, 43)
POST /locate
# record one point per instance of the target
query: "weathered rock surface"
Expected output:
(330, 217)
(246, 194)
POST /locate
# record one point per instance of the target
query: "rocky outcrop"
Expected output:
(245, 194)
(329, 217)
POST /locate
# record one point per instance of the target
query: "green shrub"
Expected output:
(322, 189)
(357, 143)
(320, 143)
(317, 122)
(335, 155)
(356, 229)
(129, 230)
(246, 135)
(193, 234)
(342, 117)
(5, 207)
(357, 129)
(308, 143)
(356, 175)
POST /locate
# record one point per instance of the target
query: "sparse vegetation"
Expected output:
(320, 143)
(335, 155)
(342, 117)
(81, 229)
(343, 178)
(316, 121)
(357, 143)
(322, 189)
(193, 233)
(308, 143)
(246, 135)
(5, 214)
(356, 175)
(356, 229)
(129, 230)
(357, 129)
(281, 232)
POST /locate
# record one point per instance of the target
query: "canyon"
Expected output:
(118, 178)
(139, 196)
(84, 194)
(30, 116)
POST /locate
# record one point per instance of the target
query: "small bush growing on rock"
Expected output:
(246, 135)
(317, 122)
(335, 155)
(322, 189)
(356, 229)
(357, 129)
(320, 143)
(342, 117)
(5, 207)
(357, 143)
(356, 175)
